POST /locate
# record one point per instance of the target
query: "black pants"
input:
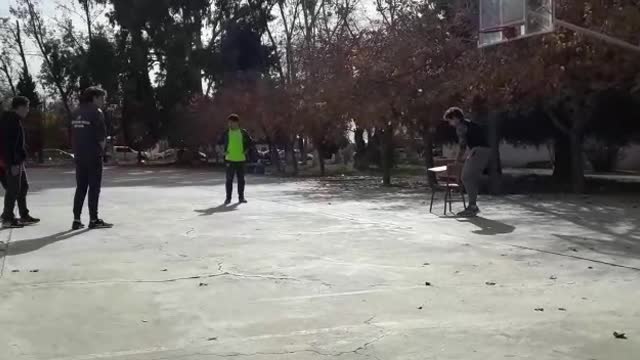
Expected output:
(234, 168)
(16, 188)
(88, 178)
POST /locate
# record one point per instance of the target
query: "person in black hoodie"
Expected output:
(13, 175)
(89, 139)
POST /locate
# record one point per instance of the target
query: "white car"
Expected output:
(127, 154)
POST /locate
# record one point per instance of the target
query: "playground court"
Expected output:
(316, 270)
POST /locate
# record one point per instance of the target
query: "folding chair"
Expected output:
(447, 180)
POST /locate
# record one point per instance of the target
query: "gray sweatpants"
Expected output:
(474, 166)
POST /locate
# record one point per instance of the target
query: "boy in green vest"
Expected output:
(237, 144)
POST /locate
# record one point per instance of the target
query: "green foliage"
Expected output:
(27, 87)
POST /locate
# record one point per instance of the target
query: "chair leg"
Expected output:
(433, 195)
(447, 194)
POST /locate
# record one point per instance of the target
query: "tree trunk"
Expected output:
(577, 162)
(303, 150)
(360, 158)
(387, 154)
(562, 159)
(23, 57)
(7, 74)
(321, 161)
(86, 5)
(494, 163)
(275, 158)
(290, 150)
(427, 140)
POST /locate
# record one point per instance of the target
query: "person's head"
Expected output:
(94, 95)
(234, 121)
(20, 105)
(454, 116)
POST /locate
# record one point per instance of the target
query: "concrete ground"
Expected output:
(316, 270)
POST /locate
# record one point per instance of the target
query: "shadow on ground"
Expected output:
(64, 178)
(615, 223)
(488, 226)
(26, 246)
(218, 209)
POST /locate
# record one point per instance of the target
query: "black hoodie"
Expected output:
(12, 144)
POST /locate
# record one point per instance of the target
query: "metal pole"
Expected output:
(597, 35)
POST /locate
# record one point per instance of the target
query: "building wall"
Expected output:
(520, 156)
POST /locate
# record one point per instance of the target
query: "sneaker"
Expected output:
(29, 220)
(227, 202)
(12, 224)
(471, 211)
(99, 224)
(243, 201)
(77, 225)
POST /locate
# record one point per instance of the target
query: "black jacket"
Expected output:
(247, 143)
(88, 132)
(12, 144)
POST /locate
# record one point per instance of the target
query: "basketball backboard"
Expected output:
(507, 20)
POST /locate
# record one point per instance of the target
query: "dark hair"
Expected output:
(91, 93)
(454, 113)
(234, 118)
(19, 101)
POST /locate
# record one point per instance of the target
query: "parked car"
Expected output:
(57, 155)
(126, 153)
(186, 155)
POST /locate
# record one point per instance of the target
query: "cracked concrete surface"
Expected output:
(315, 270)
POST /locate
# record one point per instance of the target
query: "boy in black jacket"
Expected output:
(89, 139)
(14, 176)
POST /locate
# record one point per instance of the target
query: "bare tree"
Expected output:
(36, 28)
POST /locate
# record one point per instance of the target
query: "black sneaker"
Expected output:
(29, 220)
(99, 224)
(471, 211)
(227, 202)
(243, 201)
(12, 224)
(77, 225)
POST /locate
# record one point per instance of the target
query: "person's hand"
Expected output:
(15, 170)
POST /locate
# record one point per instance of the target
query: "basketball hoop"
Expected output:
(503, 21)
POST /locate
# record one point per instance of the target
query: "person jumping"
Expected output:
(472, 136)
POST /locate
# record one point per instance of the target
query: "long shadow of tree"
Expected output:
(617, 223)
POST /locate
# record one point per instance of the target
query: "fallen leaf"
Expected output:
(212, 339)
(553, 277)
(203, 284)
(163, 270)
(539, 309)
(562, 309)
(427, 283)
(34, 271)
(426, 264)
(573, 249)
(618, 335)
(420, 307)
(15, 271)
(144, 321)
(590, 267)
(490, 283)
